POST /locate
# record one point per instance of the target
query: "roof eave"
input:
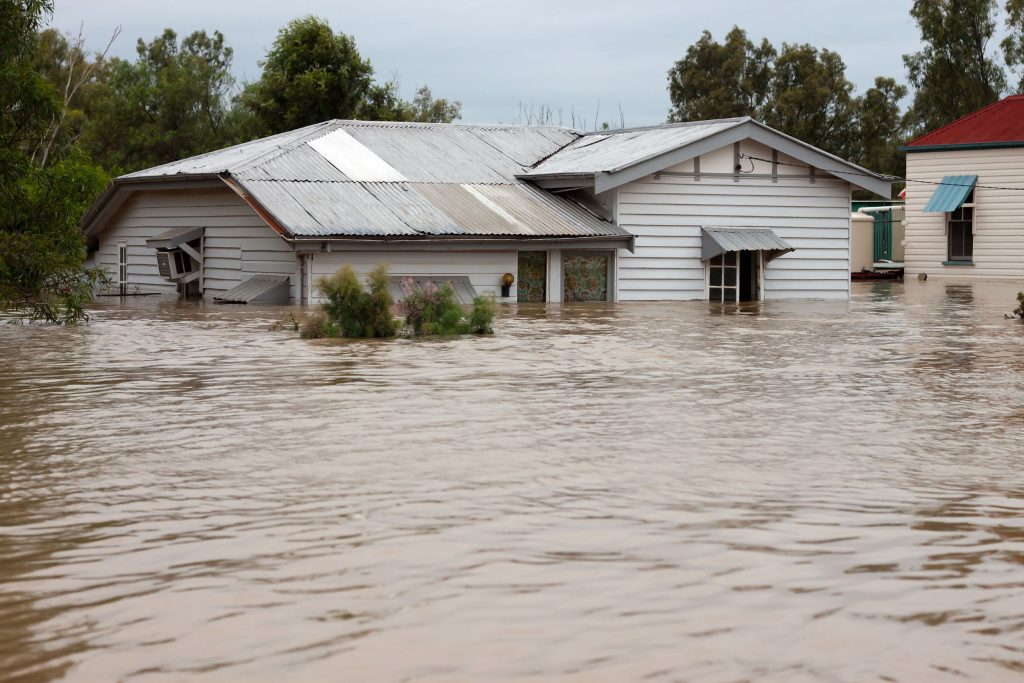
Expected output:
(952, 147)
(119, 189)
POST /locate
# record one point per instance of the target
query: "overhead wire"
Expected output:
(891, 178)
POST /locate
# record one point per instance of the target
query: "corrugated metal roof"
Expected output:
(361, 178)
(611, 151)
(1001, 121)
(420, 209)
(715, 241)
(257, 287)
(231, 159)
(951, 193)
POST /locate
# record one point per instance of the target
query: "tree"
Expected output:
(311, 74)
(800, 90)
(953, 74)
(383, 103)
(812, 100)
(715, 81)
(172, 102)
(881, 129)
(66, 65)
(1013, 44)
(41, 245)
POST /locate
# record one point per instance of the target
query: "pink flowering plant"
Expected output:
(430, 309)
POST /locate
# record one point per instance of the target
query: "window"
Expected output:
(122, 267)
(724, 277)
(960, 232)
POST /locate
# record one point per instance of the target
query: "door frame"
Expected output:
(761, 263)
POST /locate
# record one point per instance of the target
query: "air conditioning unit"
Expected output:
(174, 264)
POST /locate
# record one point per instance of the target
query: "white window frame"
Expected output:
(122, 267)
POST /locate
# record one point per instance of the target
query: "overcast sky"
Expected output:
(492, 56)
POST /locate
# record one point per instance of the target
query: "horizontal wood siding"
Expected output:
(238, 243)
(483, 268)
(998, 214)
(667, 212)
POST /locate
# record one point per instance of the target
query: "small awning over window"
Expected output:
(174, 238)
(715, 241)
(951, 193)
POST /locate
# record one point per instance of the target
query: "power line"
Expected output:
(884, 177)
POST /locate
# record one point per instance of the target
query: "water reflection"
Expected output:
(767, 491)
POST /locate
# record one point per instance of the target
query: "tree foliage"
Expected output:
(954, 73)
(313, 74)
(171, 103)
(722, 80)
(41, 246)
(1013, 43)
(798, 89)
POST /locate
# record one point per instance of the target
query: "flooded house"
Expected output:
(965, 198)
(723, 210)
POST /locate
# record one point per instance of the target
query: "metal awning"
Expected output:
(715, 241)
(951, 193)
(174, 238)
(463, 288)
(261, 289)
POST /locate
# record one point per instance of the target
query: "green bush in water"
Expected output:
(317, 326)
(1019, 311)
(482, 315)
(352, 311)
(432, 310)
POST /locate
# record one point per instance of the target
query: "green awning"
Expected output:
(951, 193)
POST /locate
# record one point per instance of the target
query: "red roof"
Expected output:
(1001, 121)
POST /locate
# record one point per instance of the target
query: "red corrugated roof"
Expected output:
(1001, 121)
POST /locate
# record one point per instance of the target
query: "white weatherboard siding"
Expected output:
(667, 212)
(998, 213)
(484, 268)
(238, 242)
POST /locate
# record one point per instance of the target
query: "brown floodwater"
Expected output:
(666, 492)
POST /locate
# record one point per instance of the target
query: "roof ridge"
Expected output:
(677, 124)
(431, 124)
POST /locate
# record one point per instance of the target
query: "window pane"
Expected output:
(716, 276)
(729, 293)
(717, 260)
(730, 258)
(730, 277)
(968, 242)
(714, 293)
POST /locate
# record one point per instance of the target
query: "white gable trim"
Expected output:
(752, 130)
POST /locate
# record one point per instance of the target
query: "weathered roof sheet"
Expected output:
(715, 241)
(371, 179)
(951, 193)
(607, 152)
(261, 288)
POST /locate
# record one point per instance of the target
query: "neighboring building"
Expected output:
(965, 196)
(725, 210)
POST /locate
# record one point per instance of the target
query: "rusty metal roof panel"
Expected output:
(613, 150)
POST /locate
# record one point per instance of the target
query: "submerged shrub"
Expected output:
(1019, 311)
(354, 311)
(317, 326)
(433, 310)
(482, 315)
